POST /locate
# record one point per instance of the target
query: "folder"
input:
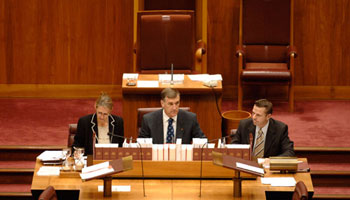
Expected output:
(106, 168)
(238, 164)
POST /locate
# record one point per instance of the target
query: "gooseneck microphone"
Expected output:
(172, 74)
(201, 168)
(141, 155)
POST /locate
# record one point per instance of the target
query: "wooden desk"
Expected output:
(199, 98)
(164, 188)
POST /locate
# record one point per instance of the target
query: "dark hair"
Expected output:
(170, 93)
(264, 103)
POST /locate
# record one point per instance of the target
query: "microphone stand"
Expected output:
(201, 167)
(172, 74)
(141, 155)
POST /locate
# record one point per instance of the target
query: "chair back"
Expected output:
(48, 194)
(72, 130)
(300, 192)
(266, 22)
(165, 38)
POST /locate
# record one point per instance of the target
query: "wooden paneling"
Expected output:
(223, 18)
(90, 42)
(322, 29)
(58, 90)
(65, 41)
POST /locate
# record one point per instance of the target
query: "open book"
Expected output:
(106, 168)
(239, 164)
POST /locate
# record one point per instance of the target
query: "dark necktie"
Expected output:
(170, 132)
(259, 147)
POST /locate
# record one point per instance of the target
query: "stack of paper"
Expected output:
(51, 156)
(48, 171)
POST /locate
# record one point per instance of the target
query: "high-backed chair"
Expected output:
(265, 51)
(72, 130)
(142, 111)
(48, 194)
(300, 191)
(166, 38)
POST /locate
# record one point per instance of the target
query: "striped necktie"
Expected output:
(259, 147)
(170, 132)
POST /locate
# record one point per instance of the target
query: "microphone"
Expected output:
(201, 168)
(141, 155)
(172, 74)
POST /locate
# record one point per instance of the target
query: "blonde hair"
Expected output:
(104, 100)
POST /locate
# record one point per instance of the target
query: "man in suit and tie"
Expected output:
(169, 123)
(270, 137)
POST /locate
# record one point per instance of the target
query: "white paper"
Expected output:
(178, 152)
(96, 173)
(189, 152)
(50, 156)
(116, 188)
(198, 77)
(166, 152)
(205, 77)
(48, 171)
(95, 167)
(237, 146)
(154, 152)
(279, 181)
(160, 152)
(250, 168)
(130, 75)
(147, 84)
(183, 152)
(199, 142)
(172, 152)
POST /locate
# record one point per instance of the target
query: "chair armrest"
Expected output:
(240, 50)
(200, 50)
(134, 49)
(292, 51)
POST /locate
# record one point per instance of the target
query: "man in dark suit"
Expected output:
(108, 128)
(170, 122)
(273, 140)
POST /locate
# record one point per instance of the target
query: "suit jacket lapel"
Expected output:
(111, 127)
(94, 127)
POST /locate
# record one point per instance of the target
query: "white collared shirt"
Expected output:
(165, 126)
(264, 130)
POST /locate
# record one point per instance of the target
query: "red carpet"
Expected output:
(45, 121)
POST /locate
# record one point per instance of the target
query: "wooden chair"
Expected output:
(48, 194)
(265, 51)
(300, 192)
(167, 37)
(142, 111)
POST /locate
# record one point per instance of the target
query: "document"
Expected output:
(250, 168)
(48, 171)
(147, 84)
(279, 181)
(205, 77)
(116, 188)
(50, 156)
(130, 76)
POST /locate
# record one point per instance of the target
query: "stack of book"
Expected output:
(169, 152)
